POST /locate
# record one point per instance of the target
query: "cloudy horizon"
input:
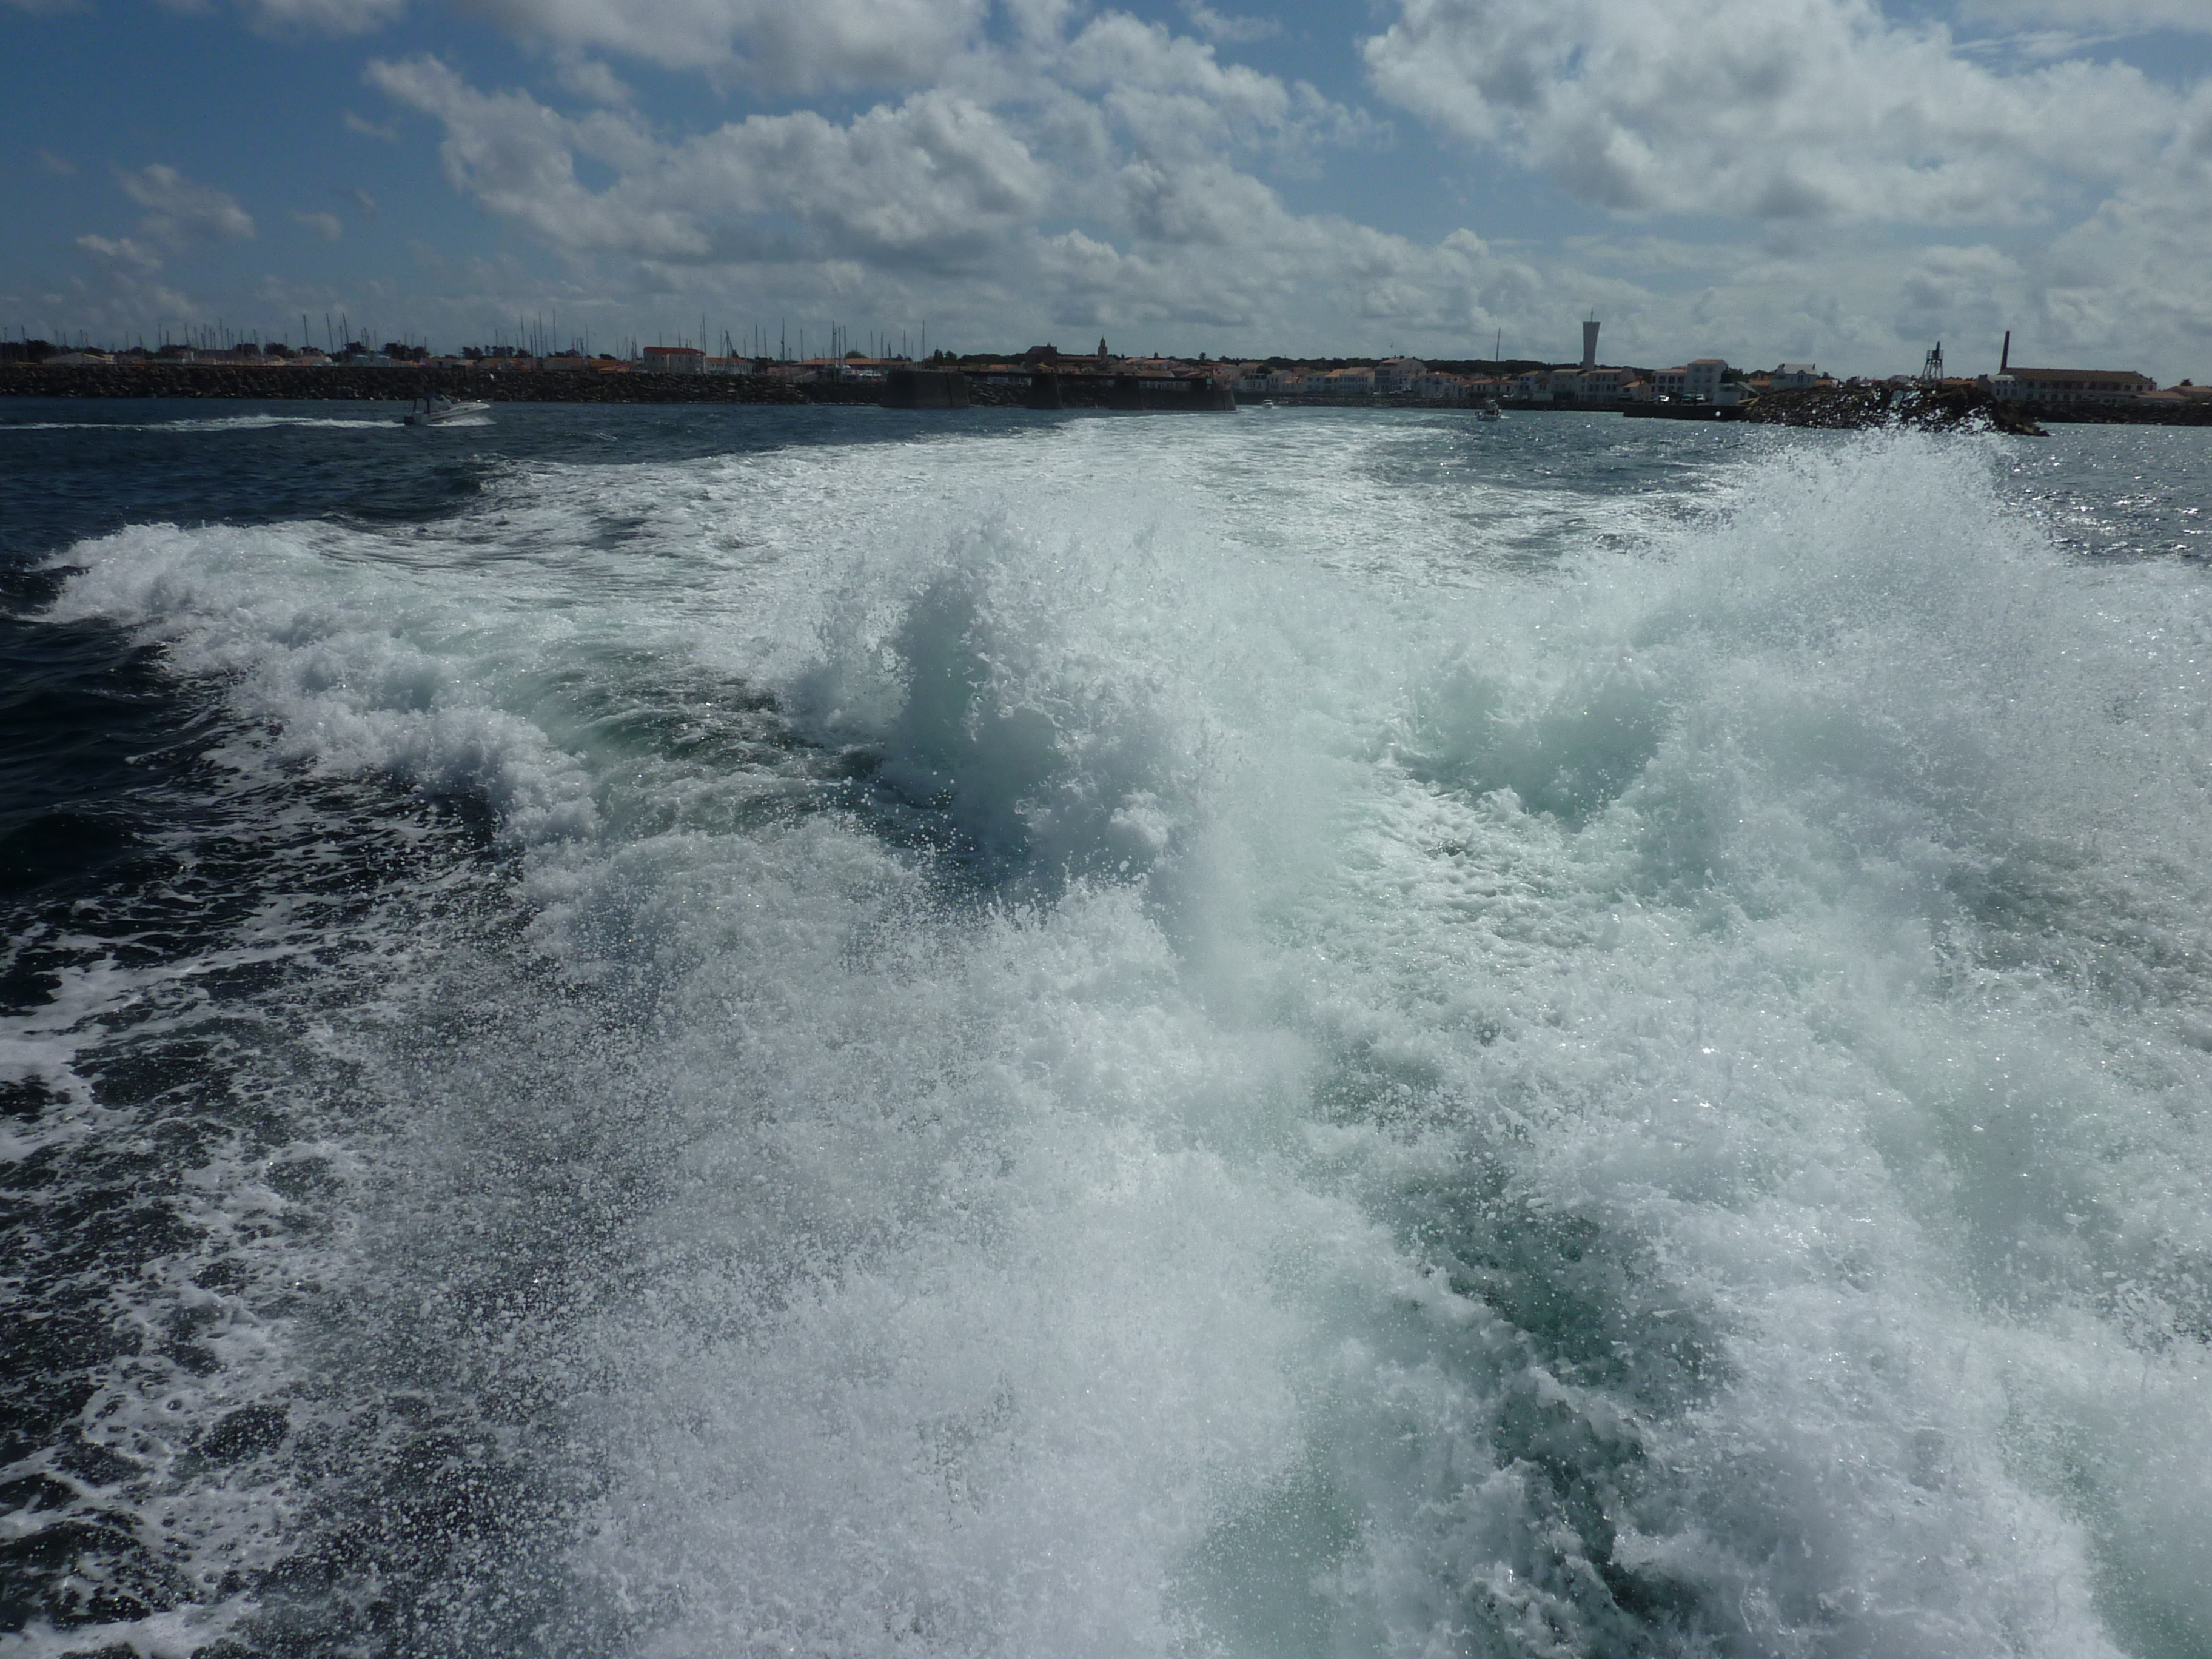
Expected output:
(1826, 181)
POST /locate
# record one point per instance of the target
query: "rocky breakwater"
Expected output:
(1845, 407)
(345, 385)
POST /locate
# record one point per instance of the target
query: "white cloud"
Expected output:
(771, 43)
(60, 165)
(1958, 291)
(938, 202)
(126, 295)
(593, 81)
(1229, 29)
(370, 129)
(121, 249)
(2137, 273)
(1174, 97)
(924, 179)
(1095, 172)
(325, 225)
(1763, 109)
(183, 210)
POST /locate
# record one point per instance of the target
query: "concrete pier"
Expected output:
(1133, 393)
(1682, 411)
(925, 388)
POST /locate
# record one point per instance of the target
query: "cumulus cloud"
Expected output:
(1763, 109)
(327, 226)
(182, 210)
(125, 293)
(1229, 29)
(2139, 268)
(938, 194)
(769, 43)
(1086, 171)
(593, 81)
(120, 250)
(1172, 96)
(369, 129)
(925, 178)
(1218, 253)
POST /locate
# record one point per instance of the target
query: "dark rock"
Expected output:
(1845, 407)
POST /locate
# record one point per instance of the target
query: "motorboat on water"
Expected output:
(441, 410)
(1490, 411)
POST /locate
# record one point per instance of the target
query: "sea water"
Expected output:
(731, 1032)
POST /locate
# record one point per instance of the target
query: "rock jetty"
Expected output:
(1845, 407)
(339, 383)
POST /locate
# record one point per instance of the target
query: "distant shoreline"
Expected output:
(342, 384)
(338, 383)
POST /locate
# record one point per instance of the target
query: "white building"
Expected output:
(1702, 379)
(1398, 374)
(1340, 383)
(1794, 377)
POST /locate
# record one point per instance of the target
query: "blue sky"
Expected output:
(1834, 181)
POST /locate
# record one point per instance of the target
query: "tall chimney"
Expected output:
(1590, 343)
(2005, 361)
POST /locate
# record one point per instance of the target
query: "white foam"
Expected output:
(216, 424)
(351, 667)
(1474, 1067)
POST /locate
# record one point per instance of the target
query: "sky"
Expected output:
(1842, 182)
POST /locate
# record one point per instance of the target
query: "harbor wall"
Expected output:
(341, 384)
(1840, 406)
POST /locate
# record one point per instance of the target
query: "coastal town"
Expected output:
(1707, 386)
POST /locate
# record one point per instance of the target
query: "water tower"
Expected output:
(1590, 343)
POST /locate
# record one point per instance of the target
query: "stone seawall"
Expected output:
(1846, 406)
(1826, 406)
(1849, 407)
(341, 384)
(2195, 413)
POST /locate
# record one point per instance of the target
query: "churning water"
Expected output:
(724, 1032)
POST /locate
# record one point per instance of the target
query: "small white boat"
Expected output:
(442, 410)
(1490, 411)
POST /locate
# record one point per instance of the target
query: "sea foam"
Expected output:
(1082, 1068)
